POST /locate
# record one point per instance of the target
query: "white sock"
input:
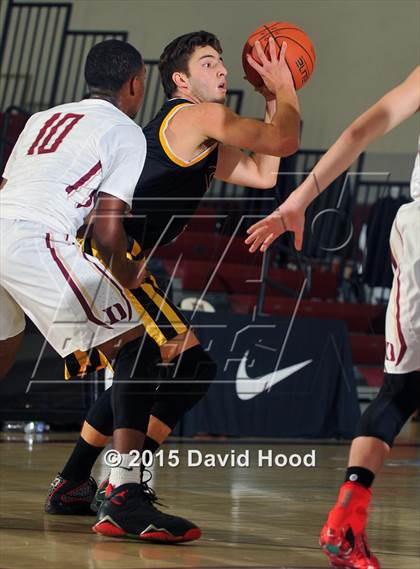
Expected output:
(124, 474)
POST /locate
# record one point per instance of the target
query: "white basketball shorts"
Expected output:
(69, 295)
(403, 314)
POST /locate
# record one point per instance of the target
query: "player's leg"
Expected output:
(12, 325)
(191, 371)
(95, 434)
(70, 296)
(170, 330)
(189, 374)
(128, 509)
(166, 325)
(129, 506)
(369, 451)
(96, 431)
(73, 489)
(343, 536)
(77, 304)
(98, 426)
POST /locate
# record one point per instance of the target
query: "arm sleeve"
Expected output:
(122, 151)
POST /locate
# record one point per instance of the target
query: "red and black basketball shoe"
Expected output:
(71, 498)
(343, 537)
(99, 496)
(129, 511)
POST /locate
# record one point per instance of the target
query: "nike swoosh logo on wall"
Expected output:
(249, 387)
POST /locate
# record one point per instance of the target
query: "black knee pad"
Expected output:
(136, 377)
(189, 378)
(100, 414)
(397, 399)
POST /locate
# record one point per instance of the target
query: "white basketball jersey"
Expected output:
(415, 177)
(64, 156)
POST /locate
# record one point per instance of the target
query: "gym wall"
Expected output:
(363, 49)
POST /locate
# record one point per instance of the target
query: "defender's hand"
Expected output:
(290, 216)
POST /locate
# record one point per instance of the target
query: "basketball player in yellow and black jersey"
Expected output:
(193, 137)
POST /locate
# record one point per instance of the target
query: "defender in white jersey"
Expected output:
(402, 330)
(343, 537)
(63, 158)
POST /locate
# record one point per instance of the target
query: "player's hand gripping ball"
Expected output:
(300, 53)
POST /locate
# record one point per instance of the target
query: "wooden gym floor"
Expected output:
(251, 517)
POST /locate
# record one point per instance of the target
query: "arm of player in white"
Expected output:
(391, 110)
(122, 152)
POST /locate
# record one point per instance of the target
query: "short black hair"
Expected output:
(110, 64)
(176, 55)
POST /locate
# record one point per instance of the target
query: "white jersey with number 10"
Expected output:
(64, 156)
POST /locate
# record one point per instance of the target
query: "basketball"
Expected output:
(300, 53)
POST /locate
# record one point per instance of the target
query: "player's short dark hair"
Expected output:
(176, 56)
(110, 64)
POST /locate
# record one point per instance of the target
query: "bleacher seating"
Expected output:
(232, 278)
(239, 277)
(360, 318)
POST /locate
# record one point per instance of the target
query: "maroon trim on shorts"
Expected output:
(83, 302)
(120, 289)
(403, 345)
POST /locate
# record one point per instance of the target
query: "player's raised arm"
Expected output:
(390, 111)
(255, 170)
(280, 137)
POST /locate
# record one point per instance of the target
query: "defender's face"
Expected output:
(207, 75)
